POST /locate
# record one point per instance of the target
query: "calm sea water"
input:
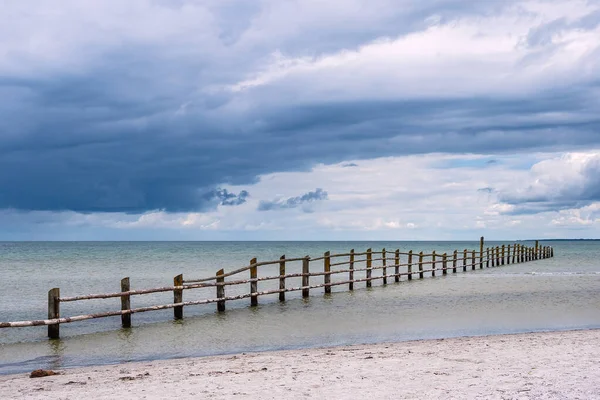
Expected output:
(554, 294)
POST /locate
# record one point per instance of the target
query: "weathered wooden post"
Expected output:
(54, 312)
(454, 260)
(551, 252)
(514, 254)
(282, 278)
(351, 273)
(305, 277)
(503, 257)
(465, 260)
(493, 256)
(537, 249)
(473, 260)
(522, 248)
(481, 241)
(433, 255)
(421, 265)
(409, 267)
(178, 297)
(220, 290)
(487, 257)
(384, 265)
(445, 264)
(498, 256)
(369, 266)
(253, 282)
(125, 303)
(397, 268)
(508, 254)
(327, 271)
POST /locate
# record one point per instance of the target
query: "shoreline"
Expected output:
(558, 364)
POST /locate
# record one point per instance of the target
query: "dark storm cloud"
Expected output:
(293, 202)
(141, 126)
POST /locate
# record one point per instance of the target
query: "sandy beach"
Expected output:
(550, 365)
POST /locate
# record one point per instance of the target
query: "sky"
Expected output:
(299, 119)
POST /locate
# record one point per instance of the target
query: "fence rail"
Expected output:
(416, 264)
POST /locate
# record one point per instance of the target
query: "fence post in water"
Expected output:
(551, 252)
(351, 273)
(327, 270)
(178, 297)
(454, 259)
(253, 282)
(465, 260)
(282, 278)
(397, 268)
(473, 260)
(409, 267)
(220, 290)
(445, 264)
(481, 241)
(369, 266)
(305, 277)
(125, 303)
(433, 263)
(384, 264)
(54, 312)
(421, 265)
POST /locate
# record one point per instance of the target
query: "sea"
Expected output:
(560, 293)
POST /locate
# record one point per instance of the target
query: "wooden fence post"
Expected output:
(473, 260)
(178, 297)
(454, 260)
(514, 253)
(369, 266)
(487, 257)
(465, 260)
(384, 264)
(503, 254)
(253, 282)
(125, 303)
(397, 269)
(54, 312)
(497, 256)
(327, 270)
(433, 263)
(220, 290)
(421, 265)
(351, 273)
(445, 264)
(551, 252)
(282, 278)
(481, 241)
(537, 249)
(493, 256)
(305, 277)
(409, 267)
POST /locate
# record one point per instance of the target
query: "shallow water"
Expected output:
(553, 294)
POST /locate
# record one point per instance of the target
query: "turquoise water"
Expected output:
(553, 294)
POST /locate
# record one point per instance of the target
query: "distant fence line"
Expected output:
(416, 264)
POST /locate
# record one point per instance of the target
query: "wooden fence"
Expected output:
(388, 262)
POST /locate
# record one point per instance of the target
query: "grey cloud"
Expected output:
(293, 202)
(226, 198)
(562, 196)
